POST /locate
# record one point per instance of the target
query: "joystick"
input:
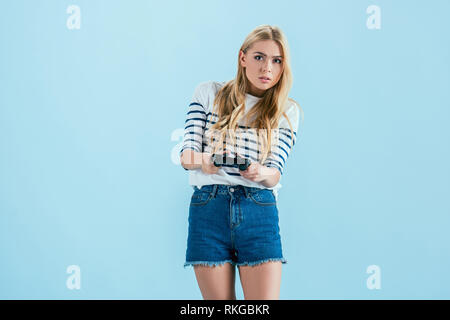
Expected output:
(220, 159)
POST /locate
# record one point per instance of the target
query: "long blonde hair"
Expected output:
(229, 102)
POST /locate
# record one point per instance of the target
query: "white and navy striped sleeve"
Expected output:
(195, 123)
(282, 146)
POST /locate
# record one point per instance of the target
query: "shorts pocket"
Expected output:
(265, 197)
(200, 198)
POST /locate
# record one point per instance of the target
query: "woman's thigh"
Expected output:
(262, 281)
(217, 282)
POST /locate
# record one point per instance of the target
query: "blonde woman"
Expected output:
(233, 215)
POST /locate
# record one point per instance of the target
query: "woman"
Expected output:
(233, 216)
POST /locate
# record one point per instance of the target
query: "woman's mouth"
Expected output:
(264, 79)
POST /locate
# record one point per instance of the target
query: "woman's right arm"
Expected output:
(194, 127)
(191, 160)
(191, 157)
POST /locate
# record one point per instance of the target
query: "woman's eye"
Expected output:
(275, 59)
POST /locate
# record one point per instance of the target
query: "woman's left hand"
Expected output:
(255, 172)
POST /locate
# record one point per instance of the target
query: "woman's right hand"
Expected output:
(208, 166)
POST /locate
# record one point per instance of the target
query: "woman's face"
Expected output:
(263, 59)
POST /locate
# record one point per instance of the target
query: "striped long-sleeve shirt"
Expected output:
(200, 118)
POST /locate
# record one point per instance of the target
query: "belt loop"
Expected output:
(214, 191)
(245, 191)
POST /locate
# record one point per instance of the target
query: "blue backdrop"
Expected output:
(93, 100)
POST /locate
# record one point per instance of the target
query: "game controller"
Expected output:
(220, 159)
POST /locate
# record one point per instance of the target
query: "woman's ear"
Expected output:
(242, 59)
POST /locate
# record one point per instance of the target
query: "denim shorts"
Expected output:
(233, 223)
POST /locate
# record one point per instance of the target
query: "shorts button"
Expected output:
(232, 189)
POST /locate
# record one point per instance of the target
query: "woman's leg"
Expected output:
(217, 282)
(261, 282)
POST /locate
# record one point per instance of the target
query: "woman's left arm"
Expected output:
(272, 177)
(267, 176)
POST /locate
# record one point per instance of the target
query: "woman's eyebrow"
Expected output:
(266, 55)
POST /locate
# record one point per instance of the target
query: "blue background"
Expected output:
(91, 122)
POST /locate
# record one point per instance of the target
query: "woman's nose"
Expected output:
(267, 66)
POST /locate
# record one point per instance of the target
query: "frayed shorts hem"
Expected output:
(206, 263)
(253, 263)
(219, 263)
